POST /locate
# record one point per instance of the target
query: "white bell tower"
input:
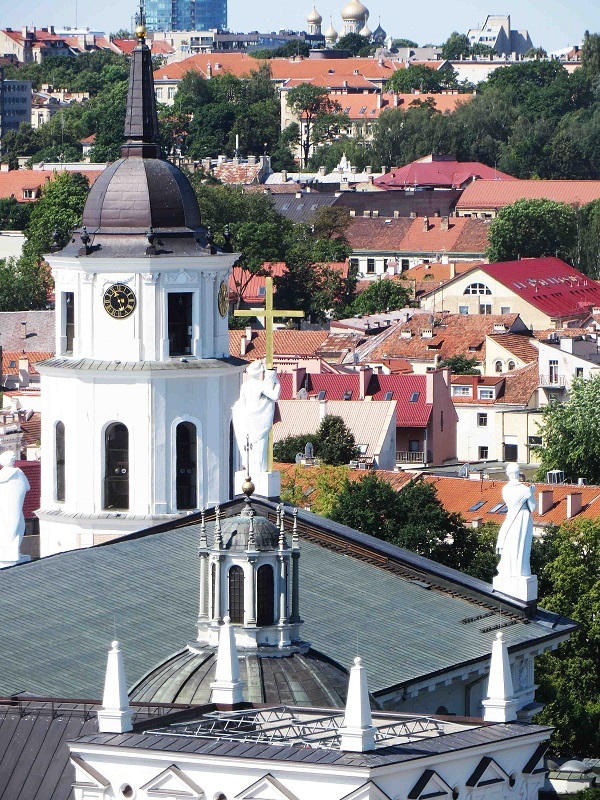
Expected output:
(136, 402)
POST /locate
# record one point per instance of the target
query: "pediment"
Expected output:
(487, 773)
(429, 786)
(173, 782)
(266, 788)
(537, 762)
(368, 791)
(86, 775)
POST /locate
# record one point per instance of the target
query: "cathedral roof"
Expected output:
(354, 10)
(300, 678)
(314, 18)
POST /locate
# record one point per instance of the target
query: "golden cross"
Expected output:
(268, 313)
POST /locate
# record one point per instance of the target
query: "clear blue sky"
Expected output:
(551, 23)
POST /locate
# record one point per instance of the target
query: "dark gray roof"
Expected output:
(299, 679)
(425, 748)
(423, 203)
(418, 617)
(303, 208)
(187, 363)
(39, 327)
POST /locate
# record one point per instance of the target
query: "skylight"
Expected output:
(348, 394)
(414, 397)
(321, 395)
(388, 395)
(477, 506)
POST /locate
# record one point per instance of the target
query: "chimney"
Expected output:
(357, 734)
(545, 500)
(209, 70)
(413, 215)
(298, 375)
(425, 224)
(24, 372)
(322, 410)
(364, 376)
(248, 333)
(477, 522)
(323, 171)
(429, 378)
(284, 176)
(227, 688)
(444, 224)
(251, 161)
(243, 346)
(115, 714)
(474, 384)
(453, 269)
(501, 703)
(574, 504)
(396, 214)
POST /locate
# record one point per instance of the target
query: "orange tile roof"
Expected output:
(404, 235)
(16, 181)
(437, 271)
(348, 80)
(516, 387)
(359, 106)
(12, 357)
(461, 494)
(237, 173)
(303, 69)
(453, 334)
(490, 194)
(447, 103)
(518, 344)
(287, 342)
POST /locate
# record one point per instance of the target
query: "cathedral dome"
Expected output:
(366, 32)
(314, 18)
(379, 34)
(302, 678)
(354, 11)
(164, 198)
(236, 533)
(331, 34)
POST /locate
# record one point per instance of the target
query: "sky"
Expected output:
(552, 24)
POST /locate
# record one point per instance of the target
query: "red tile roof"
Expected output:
(16, 181)
(446, 102)
(237, 174)
(415, 414)
(32, 430)
(548, 284)
(491, 194)
(519, 344)
(12, 357)
(448, 174)
(33, 472)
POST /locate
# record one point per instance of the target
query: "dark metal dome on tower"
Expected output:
(141, 196)
(308, 678)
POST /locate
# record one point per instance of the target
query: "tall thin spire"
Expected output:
(501, 704)
(227, 688)
(141, 120)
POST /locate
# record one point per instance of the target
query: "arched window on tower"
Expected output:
(116, 467)
(186, 477)
(236, 595)
(59, 444)
(265, 599)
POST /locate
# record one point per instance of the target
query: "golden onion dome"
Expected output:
(314, 18)
(354, 11)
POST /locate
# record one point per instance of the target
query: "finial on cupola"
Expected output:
(115, 716)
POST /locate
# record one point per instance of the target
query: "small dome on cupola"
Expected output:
(314, 18)
(331, 35)
(379, 35)
(366, 32)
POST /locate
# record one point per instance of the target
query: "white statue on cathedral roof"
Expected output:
(253, 415)
(13, 488)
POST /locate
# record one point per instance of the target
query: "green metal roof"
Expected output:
(60, 613)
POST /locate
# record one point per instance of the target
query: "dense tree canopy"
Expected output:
(571, 433)
(461, 365)
(319, 115)
(355, 44)
(532, 228)
(333, 443)
(382, 295)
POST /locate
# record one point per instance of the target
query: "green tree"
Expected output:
(368, 505)
(398, 43)
(586, 256)
(570, 681)
(286, 450)
(330, 222)
(355, 44)
(14, 216)
(455, 46)
(536, 52)
(461, 365)
(24, 284)
(532, 228)
(415, 77)
(590, 54)
(310, 104)
(336, 444)
(571, 433)
(57, 212)
(382, 295)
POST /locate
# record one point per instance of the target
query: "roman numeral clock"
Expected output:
(119, 300)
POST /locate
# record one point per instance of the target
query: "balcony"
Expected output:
(410, 457)
(552, 381)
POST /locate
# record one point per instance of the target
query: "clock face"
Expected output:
(119, 300)
(223, 299)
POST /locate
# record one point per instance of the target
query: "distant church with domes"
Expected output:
(355, 16)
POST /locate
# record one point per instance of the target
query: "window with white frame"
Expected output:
(461, 391)
(482, 420)
(486, 394)
(477, 288)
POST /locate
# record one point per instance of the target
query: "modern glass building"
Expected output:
(185, 15)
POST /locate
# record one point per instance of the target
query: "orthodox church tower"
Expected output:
(313, 22)
(354, 17)
(137, 401)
